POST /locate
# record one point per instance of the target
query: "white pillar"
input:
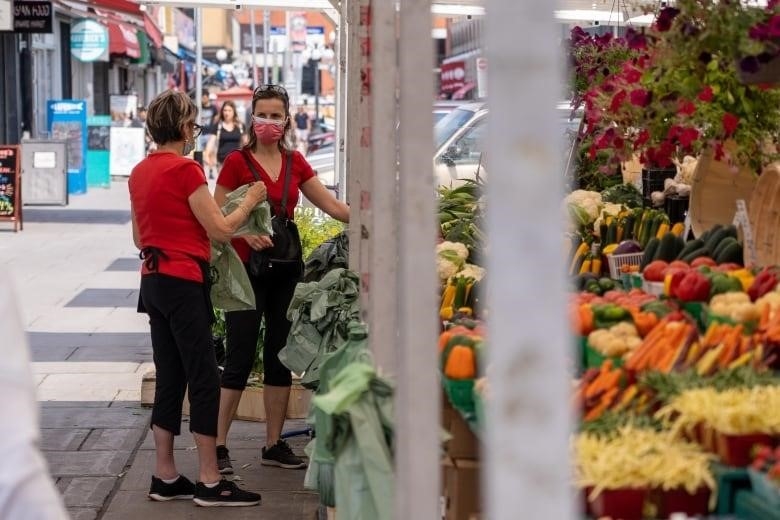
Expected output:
(417, 388)
(383, 237)
(341, 102)
(198, 64)
(526, 442)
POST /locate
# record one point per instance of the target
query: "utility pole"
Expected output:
(266, 22)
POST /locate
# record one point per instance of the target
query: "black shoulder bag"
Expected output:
(285, 258)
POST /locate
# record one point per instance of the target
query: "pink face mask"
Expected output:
(268, 131)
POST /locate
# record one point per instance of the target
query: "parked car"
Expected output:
(320, 135)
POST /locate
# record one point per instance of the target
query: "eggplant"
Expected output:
(626, 247)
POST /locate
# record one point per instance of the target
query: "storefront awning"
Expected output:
(122, 39)
(154, 32)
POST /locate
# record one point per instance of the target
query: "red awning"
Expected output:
(122, 39)
(124, 6)
(153, 31)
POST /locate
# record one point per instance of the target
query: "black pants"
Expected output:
(180, 321)
(273, 295)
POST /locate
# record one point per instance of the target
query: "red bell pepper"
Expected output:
(677, 277)
(693, 287)
(764, 282)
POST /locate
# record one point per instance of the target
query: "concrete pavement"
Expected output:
(76, 274)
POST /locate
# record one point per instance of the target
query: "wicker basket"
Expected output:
(714, 193)
(764, 211)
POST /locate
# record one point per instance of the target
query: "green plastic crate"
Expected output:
(750, 506)
(460, 392)
(594, 358)
(730, 482)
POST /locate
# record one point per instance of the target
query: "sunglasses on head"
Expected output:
(275, 89)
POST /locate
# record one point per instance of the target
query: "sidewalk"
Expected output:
(76, 274)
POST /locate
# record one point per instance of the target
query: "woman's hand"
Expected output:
(258, 242)
(256, 193)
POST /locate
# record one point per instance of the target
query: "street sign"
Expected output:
(33, 16)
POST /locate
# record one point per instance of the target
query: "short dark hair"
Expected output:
(167, 114)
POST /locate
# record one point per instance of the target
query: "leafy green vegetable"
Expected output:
(625, 194)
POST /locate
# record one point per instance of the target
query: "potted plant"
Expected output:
(682, 93)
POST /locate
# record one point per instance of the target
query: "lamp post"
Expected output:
(314, 56)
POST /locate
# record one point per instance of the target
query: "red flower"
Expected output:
(631, 74)
(664, 20)
(617, 100)
(706, 95)
(687, 137)
(640, 97)
(719, 153)
(605, 140)
(592, 152)
(674, 132)
(686, 108)
(730, 122)
(642, 138)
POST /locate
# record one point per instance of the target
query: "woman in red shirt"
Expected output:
(174, 217)
(270, 148)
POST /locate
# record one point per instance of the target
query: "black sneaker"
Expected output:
(226, 493)
(282, 456)
(223, 461)
(182, 489)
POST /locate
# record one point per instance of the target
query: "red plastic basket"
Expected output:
(680, 501)
(626, 504)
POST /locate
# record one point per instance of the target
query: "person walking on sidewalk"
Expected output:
(173, 217)
(229, 136)
(302, 127)
(268, 156)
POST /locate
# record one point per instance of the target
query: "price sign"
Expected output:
(742, 221)
(687, 226)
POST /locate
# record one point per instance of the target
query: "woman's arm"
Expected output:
(218, 227)
(136, 231)
(323, 199)
(210, 153)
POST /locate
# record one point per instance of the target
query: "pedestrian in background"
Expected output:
(173, 217)
(26, 489)
(207, 120)
(229, 136)
(266, 155)
(302, 123)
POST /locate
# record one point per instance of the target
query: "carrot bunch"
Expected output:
(664, 347)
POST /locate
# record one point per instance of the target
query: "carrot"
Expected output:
(604, 403)
(586, 319)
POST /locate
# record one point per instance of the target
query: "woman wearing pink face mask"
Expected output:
(267, 153)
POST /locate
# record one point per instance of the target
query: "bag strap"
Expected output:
(287, 178)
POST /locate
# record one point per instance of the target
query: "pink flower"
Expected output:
(664, 20)
(730, 122)
(686, 108)
(640, 97)
(635, 40)
(706, 95)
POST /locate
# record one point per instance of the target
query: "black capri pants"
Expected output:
(273, 294)
(180, 321)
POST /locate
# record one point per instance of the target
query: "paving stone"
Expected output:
(73, 404)
(112, 439)
(33, 215)
(88, 491)
(112, 353)
(51, 353)
(128, 395)
(83, 367)
(105, 298)
(86, 387)
(63, 440)
(83, 513)
(86, 463)
(65, 417)
(87, 339)
(125, 264)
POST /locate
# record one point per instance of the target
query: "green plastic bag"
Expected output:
(231, 289)
(259, 220)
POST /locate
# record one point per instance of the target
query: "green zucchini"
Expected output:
(690, 247)
(732, 253)
(726, 242)
(690, 257)
(666, 248)
(650, 250)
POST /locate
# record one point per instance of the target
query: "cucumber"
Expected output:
(731, 231)
(715, 239)
(628, 228)
(656, 223)
(690, 247)
(723, 245)
(666, 248)
(603, 230)
(679, 244)
(690, 257)
(650, 249)
(611, 233)
(731, 253)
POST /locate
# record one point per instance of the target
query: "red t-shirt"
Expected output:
(236, 173)
(160, 186)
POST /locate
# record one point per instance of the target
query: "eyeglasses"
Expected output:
(196, 130)
(276, 89)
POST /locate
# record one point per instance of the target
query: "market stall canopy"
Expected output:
(123, 40)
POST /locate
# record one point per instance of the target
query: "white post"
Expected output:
(198, 65)
(341, 102)
(417, 456)
(266, 21)
(528, 426)
(383, 237)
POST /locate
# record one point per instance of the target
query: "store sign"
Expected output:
(89, 41)
(453, 76)
(29, 16)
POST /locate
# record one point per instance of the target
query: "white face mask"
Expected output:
(189, 147)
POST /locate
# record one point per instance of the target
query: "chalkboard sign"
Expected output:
(99, 138)
(10, 202)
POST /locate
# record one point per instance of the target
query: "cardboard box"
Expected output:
(462, 500)
(463, 444)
